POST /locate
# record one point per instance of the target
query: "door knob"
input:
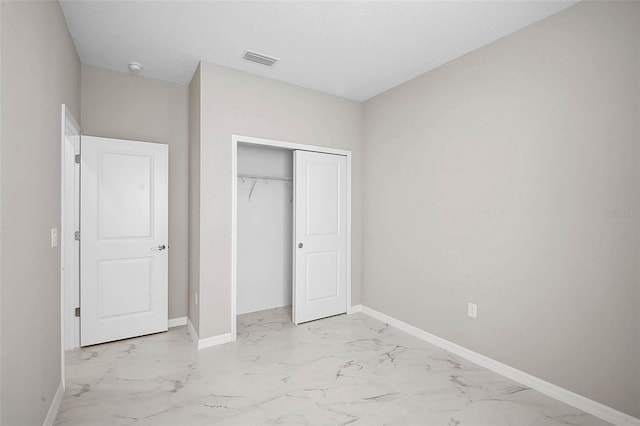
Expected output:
(159, 248)
(300, 245)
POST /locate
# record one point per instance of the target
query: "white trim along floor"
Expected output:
(348, 369)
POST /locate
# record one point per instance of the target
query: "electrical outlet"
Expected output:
(54, 237)
(472, 310)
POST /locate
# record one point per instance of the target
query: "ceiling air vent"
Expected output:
(259, 58)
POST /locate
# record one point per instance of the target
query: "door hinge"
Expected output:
(77, 312)
(77, 158)
(76, 235)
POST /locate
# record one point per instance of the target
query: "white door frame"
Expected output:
(235, 139)
(69, 282)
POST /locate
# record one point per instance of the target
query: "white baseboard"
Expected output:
(177, 322)
(354, 309)
(207, 342)
(214, 340)
(583, 403)
(54, 407)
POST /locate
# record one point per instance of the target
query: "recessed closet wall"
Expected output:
(264, 228)
(224, 103)
(125, 106)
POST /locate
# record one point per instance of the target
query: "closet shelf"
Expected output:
(260, 177)
(244, 176)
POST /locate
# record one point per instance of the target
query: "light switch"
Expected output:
(54, 237)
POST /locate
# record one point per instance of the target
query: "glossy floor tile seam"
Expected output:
(348, 369)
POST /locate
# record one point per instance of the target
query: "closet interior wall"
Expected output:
(265, 222)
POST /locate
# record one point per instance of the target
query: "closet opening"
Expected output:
(264, 228)
(290, 229)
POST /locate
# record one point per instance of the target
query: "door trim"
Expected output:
(235, 139)
(69, 283)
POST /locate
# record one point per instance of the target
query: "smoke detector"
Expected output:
(259, 58)
(135, 67)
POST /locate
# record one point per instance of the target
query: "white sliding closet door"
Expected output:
(124, 234)
(320, 236)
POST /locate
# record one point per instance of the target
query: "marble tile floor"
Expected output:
(347, 369)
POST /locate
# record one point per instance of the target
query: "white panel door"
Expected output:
(124, 239)
(320, 236)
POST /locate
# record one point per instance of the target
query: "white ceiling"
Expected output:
(354, 49)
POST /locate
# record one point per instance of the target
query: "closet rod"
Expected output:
(264, 177)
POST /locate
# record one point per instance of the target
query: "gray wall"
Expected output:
(126, 106)
(194, 199)
(40, 71)
(234, 102)
(493, 179)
